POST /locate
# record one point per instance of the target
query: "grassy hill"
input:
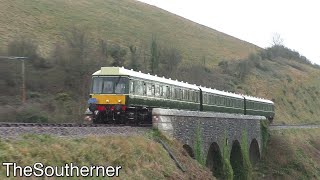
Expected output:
(58, 85)
(122, 21)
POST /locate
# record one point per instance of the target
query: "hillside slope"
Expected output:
(122, 21)
(294, 87)
(57, 86)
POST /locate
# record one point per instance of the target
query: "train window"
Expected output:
(213, 99)
(197, 97)
(144, 88)
(161, 91)
(157, 90)
(191, 96)
(167, 92)
(180, 94)
(131, 86)
(207, 99)
(138, 87)
(173, 93)
(152, 89)
(96, 85)
(149, 89)
(185, 94)
(108, 86)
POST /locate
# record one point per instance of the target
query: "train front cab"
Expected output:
(108, 99)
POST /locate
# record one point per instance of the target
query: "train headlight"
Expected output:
(119, 101)
(107, 101)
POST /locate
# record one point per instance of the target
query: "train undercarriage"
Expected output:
(132, 115)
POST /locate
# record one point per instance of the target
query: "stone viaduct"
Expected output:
(220, 136)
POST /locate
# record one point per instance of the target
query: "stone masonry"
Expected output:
(214, 127)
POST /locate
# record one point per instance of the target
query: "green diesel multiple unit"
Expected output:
(119, 95)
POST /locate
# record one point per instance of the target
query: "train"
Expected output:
(122, 96)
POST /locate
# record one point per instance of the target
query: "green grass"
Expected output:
(294, 87)
(122, 21)
(295, 92)
(291, 154)
(140, 157)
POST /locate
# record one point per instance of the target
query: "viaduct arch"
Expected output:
(224, 136)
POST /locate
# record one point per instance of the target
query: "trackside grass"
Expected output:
(140, 156)
(291, 154)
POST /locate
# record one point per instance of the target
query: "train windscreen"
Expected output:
(110, 85)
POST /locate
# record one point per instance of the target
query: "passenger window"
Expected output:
(138, 87)
(205, 98)
(161, 91)
(131, 86)
(144, 88)
(167, 92)
(191, 96)
(152, 90)
(157, 90)
(197, 97)
(173, 93)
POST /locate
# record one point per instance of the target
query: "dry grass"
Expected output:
(140, 157)
(125, 22)
(292, 154)
(296, 92)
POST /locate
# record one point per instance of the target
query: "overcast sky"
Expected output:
(296, 21)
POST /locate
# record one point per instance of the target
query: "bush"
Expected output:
(31, 115)
(63, 97)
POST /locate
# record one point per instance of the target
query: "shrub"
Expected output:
(31, 115)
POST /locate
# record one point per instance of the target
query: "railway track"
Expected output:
(305, 126)
(18, 130)
(6, 124)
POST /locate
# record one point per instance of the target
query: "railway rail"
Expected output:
(305, 126)
(18, 130)
(6, 124)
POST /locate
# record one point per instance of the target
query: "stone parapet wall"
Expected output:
(214, 127)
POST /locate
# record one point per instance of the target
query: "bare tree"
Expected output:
(134, 57)
(277, 40)
(118, 54)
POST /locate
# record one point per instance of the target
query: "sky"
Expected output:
(256, 21)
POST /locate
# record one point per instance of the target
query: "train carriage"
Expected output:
(257, 106)
(220, 101)
(119, 95)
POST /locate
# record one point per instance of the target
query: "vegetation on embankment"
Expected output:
(140, 156)
(135, 35)
(291, 154)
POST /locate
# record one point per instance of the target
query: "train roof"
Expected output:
(258, 99)
(215, 91)
(121, 71)
(109, 71)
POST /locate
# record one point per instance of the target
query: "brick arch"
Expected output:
(189, 150)
(214, 160)
(236, 160)
(254, 152)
